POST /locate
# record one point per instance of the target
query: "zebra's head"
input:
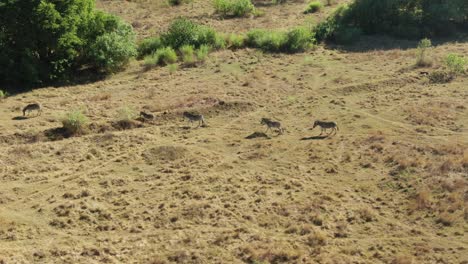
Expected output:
(264, 121)
(315, 124)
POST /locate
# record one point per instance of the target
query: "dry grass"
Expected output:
(391, 181)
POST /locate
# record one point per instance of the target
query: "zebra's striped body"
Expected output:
(272, 124)
(324, 125)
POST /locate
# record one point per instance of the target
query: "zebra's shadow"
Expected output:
(315, 138)
(19, 118)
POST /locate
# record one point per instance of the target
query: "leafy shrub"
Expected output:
(456, 64)
(233, 8)
(347, 35)
(149, 46)
(112, 51)
(185, 32)
(74, 122)
(422, 59)
(313, 7)
(48, 41)
(188, 54)
(202, 52)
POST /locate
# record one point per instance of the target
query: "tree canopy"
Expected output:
(43, 41)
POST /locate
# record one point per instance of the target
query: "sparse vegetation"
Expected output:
(165, 56)
(234, 41)
(234, 8)
(125, 117)
(313, 7)
(74, 122)
(172, 68)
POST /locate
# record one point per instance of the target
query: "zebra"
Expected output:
(272, 124)
(32, 107)
(325, 125)
(195, 117)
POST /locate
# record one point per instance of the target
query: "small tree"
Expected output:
(422, 58)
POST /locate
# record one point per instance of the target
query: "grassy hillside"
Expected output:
(389, 187)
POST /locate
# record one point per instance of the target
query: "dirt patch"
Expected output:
(164, 153)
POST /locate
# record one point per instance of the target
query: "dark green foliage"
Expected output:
(43, 41)
(185, 32)
(112, 49)
(295, 40)
(403, 18)
(148, 46)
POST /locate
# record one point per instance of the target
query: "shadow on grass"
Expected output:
(314, 138)
(19, 118)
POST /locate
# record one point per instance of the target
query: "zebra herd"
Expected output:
(195, 117)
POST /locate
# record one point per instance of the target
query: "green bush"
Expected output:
(234, 8)
(299, 39)
(456, 63)
(151, 61)
(48, 41)
(149, 46)
(172, 68)
(295, 40)
(202, 53)
(313, 7)
(188, 54)
(185, 32)
(74, 122)
(422, 58)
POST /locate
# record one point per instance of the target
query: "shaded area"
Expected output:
(314, 138)
(257, 135)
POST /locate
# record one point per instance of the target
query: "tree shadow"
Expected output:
(368, 43)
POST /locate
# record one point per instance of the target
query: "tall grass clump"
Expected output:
(74, 122)
(234, 41)
(149, 46)
(202, 53)
(313, 7)
(295, 40)
(422, 58)
(3, 94)
(456, 64)
(234, 8)
(185, 32)
(166, 56)
(188, 54)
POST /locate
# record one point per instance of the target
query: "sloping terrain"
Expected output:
(389, 187)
